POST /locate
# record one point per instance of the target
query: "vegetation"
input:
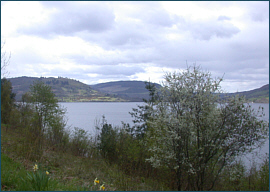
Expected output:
(65, 89)
(129, 90)
(194, 133)
(70, 90)
(260, 95)
(38, 152)
(5, 60)
(7, 100)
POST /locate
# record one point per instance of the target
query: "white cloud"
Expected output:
(103, 41)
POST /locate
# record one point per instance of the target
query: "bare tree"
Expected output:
(5, 60)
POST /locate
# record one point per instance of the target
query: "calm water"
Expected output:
(85, 115)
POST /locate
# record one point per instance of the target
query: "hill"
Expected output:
(129, 90)
(65, 89)
(70, 90)
(260, 95)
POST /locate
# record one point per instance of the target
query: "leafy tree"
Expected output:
(44, 102)
(48, 115)
(142, 113)
(7, 100)
(196, 134)
(25, 109)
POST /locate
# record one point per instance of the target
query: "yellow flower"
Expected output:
(47, 173)
(102, 187)
(96, 181)
(35, 167)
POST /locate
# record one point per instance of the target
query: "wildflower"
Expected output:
(47, 173)
(35, 167)
(102, 187)
(96, 181)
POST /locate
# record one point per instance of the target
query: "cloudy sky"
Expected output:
(97, 42)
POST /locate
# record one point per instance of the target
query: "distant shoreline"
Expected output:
(119, 102)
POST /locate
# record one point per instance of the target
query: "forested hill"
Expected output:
(65, 89)
(260, 95)
(130, 90)
(70, 90)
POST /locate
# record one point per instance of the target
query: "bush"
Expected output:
(56, 133)
(238, 176)
(80, 142)
(107, 142)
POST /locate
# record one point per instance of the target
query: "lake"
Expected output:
(85, 115)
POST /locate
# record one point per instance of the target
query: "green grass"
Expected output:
(11, 173)
(67, 171)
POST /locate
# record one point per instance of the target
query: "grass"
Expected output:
(11, 173)
(67, 172)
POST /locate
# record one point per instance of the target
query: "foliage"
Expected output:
(39, 180)
(107, 141)
(129, 90)
(119, 146)
(41, 119)
(189, 135)
(240, 177)
(65, 89)
(260, 95)
(194, 133)
(7, 100)
(143, 112)
(80, 142)
(68, 172)
(44, 102)
(56, 132)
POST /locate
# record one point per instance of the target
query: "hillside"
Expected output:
(260, 95)
(70, 90)
(66, 90)
(130, 90)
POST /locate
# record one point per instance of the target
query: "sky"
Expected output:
(96, 42)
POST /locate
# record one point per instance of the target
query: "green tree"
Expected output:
(26, 110)
(195, 133)
(107, 140)
(143, 112)
(7, 100)
(48, 115)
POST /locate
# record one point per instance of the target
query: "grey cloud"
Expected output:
(142, 38)
(159, 17)
(72, 17)
(117, 70)
(259, 10)
(222, 17)
(128, 34)
(136, 31)
(141, 55)
(209, 29)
